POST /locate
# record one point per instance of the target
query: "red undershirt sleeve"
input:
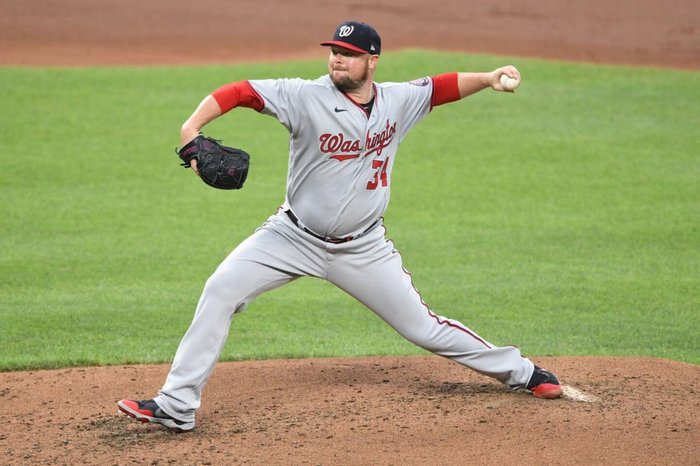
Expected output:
(445, 89)
(237, 94)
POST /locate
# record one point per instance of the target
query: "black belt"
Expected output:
(327, 239)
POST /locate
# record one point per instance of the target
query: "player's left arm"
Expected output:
(450, 87)
(471, 83)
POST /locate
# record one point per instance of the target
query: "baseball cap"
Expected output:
(357, 36)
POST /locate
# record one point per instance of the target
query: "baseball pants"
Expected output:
(368, 268)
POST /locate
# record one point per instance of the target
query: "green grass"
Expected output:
(563, 219)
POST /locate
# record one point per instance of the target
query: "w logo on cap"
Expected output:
(345, 31)
(357, 36)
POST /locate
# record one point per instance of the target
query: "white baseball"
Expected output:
(508, 83)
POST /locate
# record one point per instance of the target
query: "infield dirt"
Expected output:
(133, 32)
(388, 410)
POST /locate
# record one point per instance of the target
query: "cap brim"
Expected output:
(344, 45)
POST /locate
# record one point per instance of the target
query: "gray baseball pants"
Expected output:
(368, 268)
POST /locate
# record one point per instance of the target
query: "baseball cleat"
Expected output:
(149, 411)
(543, 384)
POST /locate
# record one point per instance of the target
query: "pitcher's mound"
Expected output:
(388, 410)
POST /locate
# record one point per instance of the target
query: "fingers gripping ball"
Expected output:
(509, 84)
(218, 166)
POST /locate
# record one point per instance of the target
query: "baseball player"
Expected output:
(344, 130)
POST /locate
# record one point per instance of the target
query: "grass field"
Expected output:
(563, 219)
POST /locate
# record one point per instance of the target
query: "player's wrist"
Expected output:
(187, 134)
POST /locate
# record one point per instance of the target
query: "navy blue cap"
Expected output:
(357, 36)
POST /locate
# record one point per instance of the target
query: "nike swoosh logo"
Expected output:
(338, 110)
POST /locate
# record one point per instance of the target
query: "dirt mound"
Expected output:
(389, 410)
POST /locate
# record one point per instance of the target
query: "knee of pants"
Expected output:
(224, 292)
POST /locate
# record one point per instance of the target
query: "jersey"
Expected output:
(341, 157)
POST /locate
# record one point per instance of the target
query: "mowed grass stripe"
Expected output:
(563, 219)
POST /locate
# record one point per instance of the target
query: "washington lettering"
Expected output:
(342, 148)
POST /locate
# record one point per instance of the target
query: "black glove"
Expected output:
(217, 165)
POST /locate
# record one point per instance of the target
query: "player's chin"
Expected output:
(344, 82)
(338, 77)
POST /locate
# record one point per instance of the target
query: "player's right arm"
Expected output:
(216, 104)
(207, 111)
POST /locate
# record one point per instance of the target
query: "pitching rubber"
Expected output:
(574, 394)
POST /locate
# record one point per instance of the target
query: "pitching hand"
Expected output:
(495, 77)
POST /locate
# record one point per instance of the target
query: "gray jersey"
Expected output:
(340, 159)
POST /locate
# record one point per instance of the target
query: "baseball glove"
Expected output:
(218, 166)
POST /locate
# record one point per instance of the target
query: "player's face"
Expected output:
(348, 69)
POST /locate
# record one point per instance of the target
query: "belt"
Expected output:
(327, 239)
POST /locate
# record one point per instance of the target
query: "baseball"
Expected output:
(508, 83)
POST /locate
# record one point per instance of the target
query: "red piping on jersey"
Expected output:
(238, 94)
(374, 89)
(427, 308)
(445, 89)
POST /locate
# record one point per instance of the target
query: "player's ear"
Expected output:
(373, 59)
